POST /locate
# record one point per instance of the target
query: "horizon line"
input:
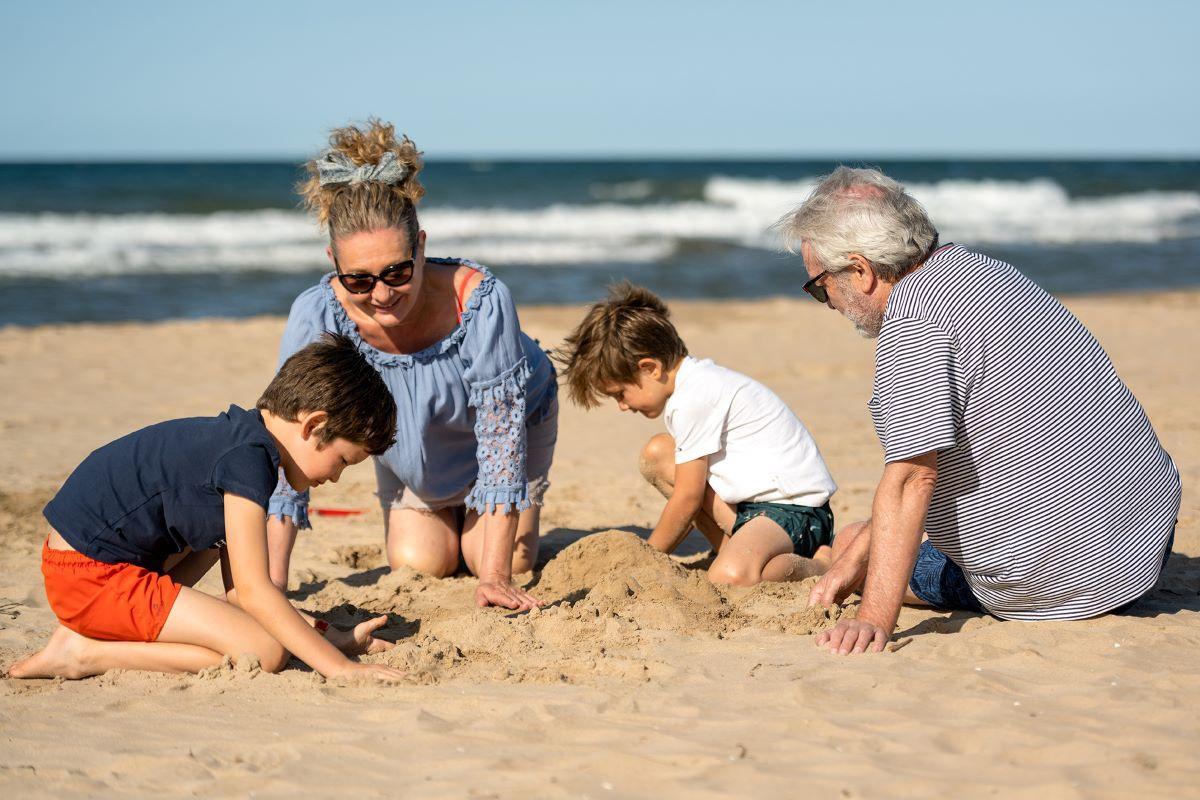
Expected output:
(566, 158)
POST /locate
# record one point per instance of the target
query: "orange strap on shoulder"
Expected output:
(460, 298)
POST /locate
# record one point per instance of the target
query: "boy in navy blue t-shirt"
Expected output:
(145, 517)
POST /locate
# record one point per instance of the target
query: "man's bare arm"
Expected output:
(897, 523)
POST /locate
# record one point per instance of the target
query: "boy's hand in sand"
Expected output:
(356, 673)
(504, 594)
(853, 636)
(360, 640)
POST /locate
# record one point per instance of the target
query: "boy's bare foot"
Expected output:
(793, 568)
(62, 657)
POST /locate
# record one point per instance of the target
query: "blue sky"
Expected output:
(759, 79)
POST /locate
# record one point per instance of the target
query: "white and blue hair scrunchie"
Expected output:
(334, 166)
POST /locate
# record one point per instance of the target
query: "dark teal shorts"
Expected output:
(807, 527)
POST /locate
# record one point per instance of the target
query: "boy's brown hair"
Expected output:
(632, 323)
(330, 375)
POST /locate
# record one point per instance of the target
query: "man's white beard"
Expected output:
(867, 321)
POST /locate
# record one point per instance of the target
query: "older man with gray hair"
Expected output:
(1008, 438)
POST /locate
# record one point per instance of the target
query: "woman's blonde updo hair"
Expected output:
(367, 205)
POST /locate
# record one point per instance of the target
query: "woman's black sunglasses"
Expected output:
(363, 282)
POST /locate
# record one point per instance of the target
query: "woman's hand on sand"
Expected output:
(843, 577)
(504, 594)
(853, 636)
(355, 672)
(360, 640)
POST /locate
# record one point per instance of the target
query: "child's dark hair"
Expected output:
(617, 333)
(330, 375)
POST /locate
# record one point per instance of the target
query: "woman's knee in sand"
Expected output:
(431, 561)
(424, 540)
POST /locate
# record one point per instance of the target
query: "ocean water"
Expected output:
(147, 241)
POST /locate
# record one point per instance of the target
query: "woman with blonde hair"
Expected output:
(477, 409)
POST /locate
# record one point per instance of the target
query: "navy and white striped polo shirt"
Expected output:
(1053, 493)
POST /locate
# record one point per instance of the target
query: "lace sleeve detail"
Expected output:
(500, 432)
(287, 502)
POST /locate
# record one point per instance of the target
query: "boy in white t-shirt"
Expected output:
(736, 462)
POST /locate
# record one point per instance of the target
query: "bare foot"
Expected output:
(62, 657)
(793, 568)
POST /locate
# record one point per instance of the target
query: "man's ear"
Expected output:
(311, 423)
(330, 256)
(862, 274)
(652, 368)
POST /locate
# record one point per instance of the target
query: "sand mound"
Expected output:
(617, 574)
(606, 595)
(586, 562)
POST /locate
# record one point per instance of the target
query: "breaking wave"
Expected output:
(733, 211)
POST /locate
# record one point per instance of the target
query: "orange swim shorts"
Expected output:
(118, 602)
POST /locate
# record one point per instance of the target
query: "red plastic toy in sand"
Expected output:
(338, 512)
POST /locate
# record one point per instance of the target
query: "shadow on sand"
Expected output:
(1178, 590)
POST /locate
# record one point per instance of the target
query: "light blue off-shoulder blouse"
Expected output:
(462, 404)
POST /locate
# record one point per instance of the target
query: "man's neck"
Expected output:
(886, 288)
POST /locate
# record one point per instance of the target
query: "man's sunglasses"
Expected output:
(817, 290)
(363, 282)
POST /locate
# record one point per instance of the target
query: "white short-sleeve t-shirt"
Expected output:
(757, 450)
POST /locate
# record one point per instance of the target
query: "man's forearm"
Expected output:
(897, 522)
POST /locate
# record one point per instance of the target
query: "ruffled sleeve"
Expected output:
(307, 322)
(496, 374)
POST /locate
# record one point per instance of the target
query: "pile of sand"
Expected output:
(607, 597)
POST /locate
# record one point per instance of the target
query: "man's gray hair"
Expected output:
(861, 211)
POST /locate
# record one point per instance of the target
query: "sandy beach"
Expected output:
(639, 679)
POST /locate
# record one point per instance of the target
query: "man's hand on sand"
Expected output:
(844, 576)
(504, 594)
(360, 640)
(853, 636)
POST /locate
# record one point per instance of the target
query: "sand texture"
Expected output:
(639, 679)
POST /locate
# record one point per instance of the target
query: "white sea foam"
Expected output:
(1010, 212)
(735, 211)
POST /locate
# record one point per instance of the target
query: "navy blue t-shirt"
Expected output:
(158, 490)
